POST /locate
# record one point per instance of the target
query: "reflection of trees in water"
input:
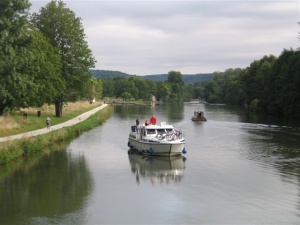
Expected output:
(127, 111)
(157, 169)
(174, 111)
(278, 147)
(56, 185)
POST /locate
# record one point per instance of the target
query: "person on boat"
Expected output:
(153, 120)
(137, 123)
(146, 123)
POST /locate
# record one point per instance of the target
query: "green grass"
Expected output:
(12, 150)
(33, 122)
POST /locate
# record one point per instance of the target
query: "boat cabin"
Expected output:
(198, 116)
(147, 131)
(153, 130)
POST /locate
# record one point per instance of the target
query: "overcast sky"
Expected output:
(145, 37)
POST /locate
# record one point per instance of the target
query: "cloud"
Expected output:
(153, 37)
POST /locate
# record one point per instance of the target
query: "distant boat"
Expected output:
(156, 140)
(198, 116)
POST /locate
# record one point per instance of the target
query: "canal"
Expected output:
(238, 169)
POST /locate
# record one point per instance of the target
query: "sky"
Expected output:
(147, 37)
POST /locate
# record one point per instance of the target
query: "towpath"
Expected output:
(45, 130)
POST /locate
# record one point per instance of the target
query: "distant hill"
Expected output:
(108, 74)
(187, 78)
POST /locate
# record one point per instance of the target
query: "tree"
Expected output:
(176, 83)
(254, 79)
(108, 87)
(234, 93)
(125, 85)
(211, 92)
(284, 98)
(126, 95)
(45, 66)
(66, 34)
(93, 89)
(163, 91)
(188, 93)
(14, 39)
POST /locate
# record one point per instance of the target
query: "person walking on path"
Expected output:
(48, 122)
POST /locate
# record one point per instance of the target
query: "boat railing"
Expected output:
(170, 136)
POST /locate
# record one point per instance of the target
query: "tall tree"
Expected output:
(163, 91)
(108, 87)
(176, 83)
(66, 35)
(14, 40)
(284, 96)
(93, 90)
(45, 66)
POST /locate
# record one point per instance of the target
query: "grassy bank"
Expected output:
(15, 123)
(14, 149)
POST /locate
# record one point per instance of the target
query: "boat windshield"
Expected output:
(161, 131)
(151, 131)
(169, 130)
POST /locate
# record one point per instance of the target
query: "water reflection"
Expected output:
(174, 111)
(276, 147)
(171, 112)
(56, 185)
(273, 144)
(157, 169)
(126, 111)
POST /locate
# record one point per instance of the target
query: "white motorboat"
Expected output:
(156, 140)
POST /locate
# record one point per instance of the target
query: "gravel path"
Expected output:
(45, 130)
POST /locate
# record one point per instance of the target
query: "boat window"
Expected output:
(151, 131)
(161, 131)
(169, 130)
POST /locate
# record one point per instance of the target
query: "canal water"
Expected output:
(239, 169)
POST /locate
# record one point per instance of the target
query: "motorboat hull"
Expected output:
(198, 119)
(159, 148)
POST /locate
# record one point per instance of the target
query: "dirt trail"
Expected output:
(45, 130)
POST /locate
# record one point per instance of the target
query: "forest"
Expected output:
(45, 59)
(269, 85)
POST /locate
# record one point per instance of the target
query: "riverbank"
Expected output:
(33, 118)
(45, 130)
(16, 146)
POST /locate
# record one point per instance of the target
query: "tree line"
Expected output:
(44, 57)
(270, 85)
(135, 87)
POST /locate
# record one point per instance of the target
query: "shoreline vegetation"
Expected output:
(27, 119)
(12, 150)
